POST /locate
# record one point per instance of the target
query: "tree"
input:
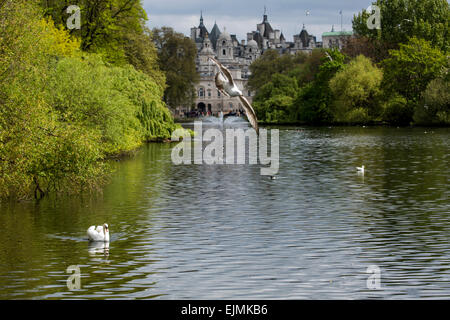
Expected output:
(177, 55)
(410, 69)
(375, 49)
(270, 63)
(63, 111)
(313, 102)
(273, 101)
(435, 107)
(402, 19)
(108, 27)
(356, 89)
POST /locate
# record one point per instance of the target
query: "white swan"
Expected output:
(360, 169)
(101, 233)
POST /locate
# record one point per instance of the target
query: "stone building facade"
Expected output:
(237, 56)
(335, 39)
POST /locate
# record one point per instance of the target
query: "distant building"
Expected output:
(237, 56)
(335, 39)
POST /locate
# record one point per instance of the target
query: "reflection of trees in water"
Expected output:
(39, 261)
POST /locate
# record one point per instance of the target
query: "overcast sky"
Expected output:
(241, 16)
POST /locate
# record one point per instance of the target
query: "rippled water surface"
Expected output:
(225, 231)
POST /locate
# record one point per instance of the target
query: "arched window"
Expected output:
(224, 52)
(224, 42)
(250, 50)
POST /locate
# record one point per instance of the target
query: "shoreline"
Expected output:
(318, 125)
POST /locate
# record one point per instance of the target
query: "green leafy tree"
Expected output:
(38, 152)
(274, 100)
(115, 29)
(409, 70)
(270, 63)
(356, 89)
(402, 19)
(435, 106)
(63, 111)
(177, 55)
(312, 104)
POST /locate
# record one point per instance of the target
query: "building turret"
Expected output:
(224, 47)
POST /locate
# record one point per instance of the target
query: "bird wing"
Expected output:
(251, 115)
(224, 70)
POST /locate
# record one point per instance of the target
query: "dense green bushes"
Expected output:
(356, 91)
(63, 111)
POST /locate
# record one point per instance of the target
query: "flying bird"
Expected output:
(101, 233)
(225, 84)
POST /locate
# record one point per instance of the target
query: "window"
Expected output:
(209, 93)
(224, 52)
(201, 92)
(218, 93)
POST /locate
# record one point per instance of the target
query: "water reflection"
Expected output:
(195, 231)
(98, 248)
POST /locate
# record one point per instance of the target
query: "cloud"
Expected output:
(240, 17)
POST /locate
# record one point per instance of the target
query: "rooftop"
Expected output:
(337, 33)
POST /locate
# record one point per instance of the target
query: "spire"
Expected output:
(265, 15)
(332, 28)
(201, 18)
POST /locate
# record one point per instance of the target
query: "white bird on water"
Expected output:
(225, 84)
(101, 233)
(360, 169)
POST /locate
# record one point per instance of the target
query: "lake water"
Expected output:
(226, 232)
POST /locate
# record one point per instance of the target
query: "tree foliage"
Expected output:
(63, 111)
(402, 19)
(356, 89)
(177, 55)
(410, 69)
(274, 100)
(270, 63)
(114, 29)
(435, 109)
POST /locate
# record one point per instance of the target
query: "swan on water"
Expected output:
(225, 84)
(101, 233)
(360, 169)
